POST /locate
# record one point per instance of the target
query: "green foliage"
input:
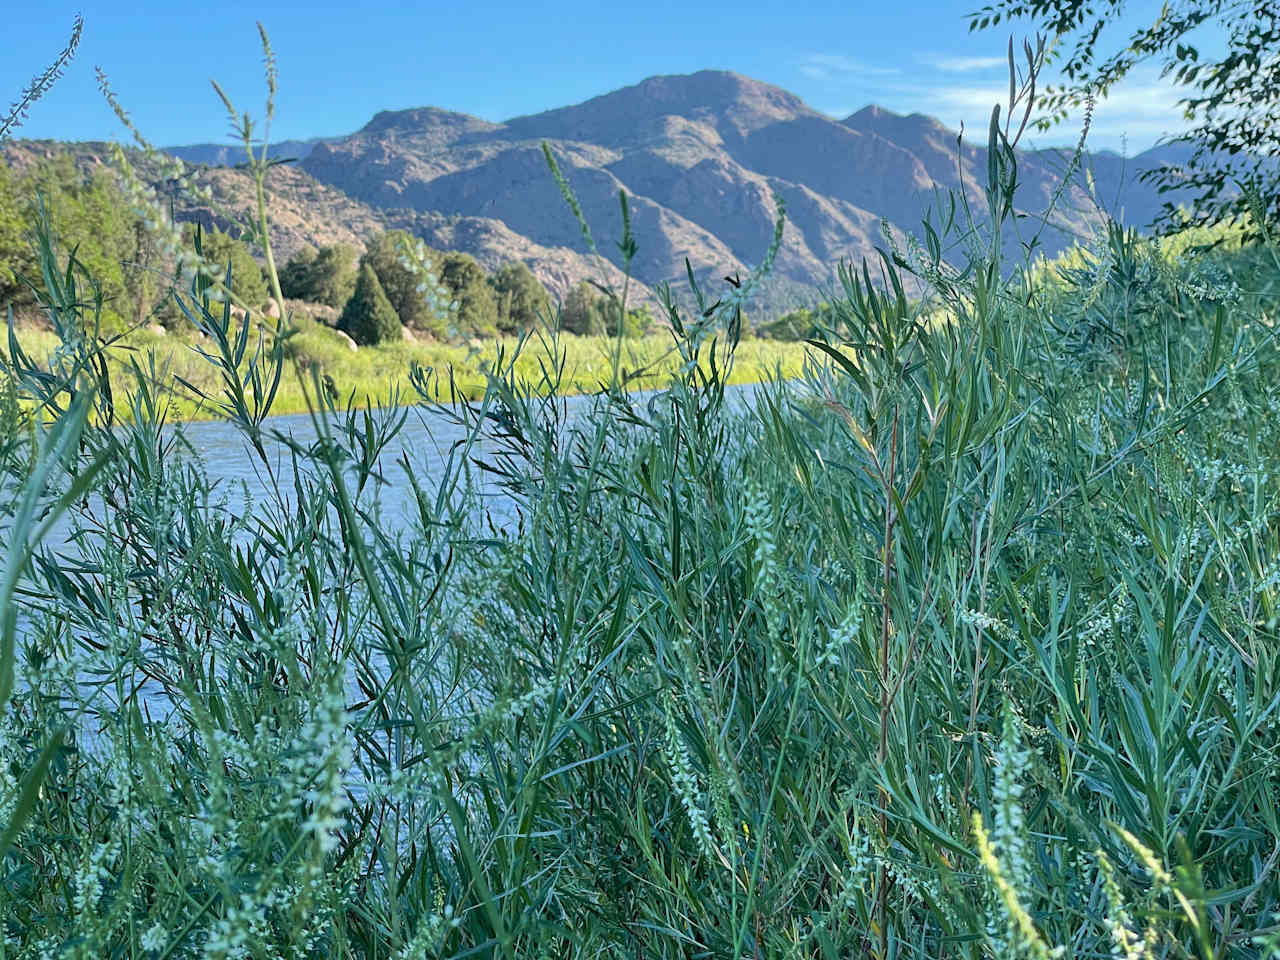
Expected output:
(584, 312)
(90, 215)
(15, 250)
(368, 317)
(957, 646)
(123, 246)
(468, 283)
(523, 302)
(800, 324)
(638, 322)
(297, 277)
(648, 363)
(326, 276)
(587, 313)
(1235, 97)
(412, 294)
(248, 282)
(335, 274)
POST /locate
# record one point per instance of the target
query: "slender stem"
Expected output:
(886, 697)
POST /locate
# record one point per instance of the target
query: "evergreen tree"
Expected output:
(368, 317)
(325, 276)
(335, 275)
(297, 278)
(404, 288)
(583, 312)
(522, 299)
(469, 284)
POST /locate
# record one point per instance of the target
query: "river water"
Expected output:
(425, 441)
(423, 444)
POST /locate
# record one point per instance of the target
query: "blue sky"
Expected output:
(339, 64)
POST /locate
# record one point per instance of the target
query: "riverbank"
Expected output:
(376, 374)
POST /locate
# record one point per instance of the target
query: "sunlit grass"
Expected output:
(374, 373)
(964, 643)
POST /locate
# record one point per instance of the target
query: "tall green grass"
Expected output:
(371, 374)
(963, 646)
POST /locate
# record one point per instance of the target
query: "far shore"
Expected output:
(378, 376)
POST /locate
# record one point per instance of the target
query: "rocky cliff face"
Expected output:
(699, 157)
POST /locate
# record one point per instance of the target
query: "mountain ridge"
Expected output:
(700, 157)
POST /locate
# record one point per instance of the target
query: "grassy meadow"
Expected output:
(375, 374)
(961, 643)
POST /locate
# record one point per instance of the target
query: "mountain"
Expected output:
(699, 157)
(228, 155)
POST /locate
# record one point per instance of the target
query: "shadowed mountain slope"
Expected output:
(699, 157)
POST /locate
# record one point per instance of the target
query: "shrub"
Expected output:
(326, 276)
(407, 288)
(468, 282)
(522, 299)
(588, 313)
(584, 312)
(956, 647)
(368, 317)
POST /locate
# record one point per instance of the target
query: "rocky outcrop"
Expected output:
(699, 156)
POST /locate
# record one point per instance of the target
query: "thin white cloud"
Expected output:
(827, 66)
(1141, 112)
(966, 64)
(1142, 109)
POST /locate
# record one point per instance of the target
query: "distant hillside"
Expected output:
(224, 155)
(698, 156)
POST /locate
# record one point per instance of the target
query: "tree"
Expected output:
(335, 275)
(325, 276)
(1239, 94)
(297, 276)
(16, 259)
(469, 283)
(368, 317)
(522, 299)
(248, 282)
(582, 311)
(638, 322)
(801, 323)
(90, 214)
(405, 288)
(589, 313)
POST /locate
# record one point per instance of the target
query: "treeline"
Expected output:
(123, 251)
(401, 283)
(445, 295)
(90, 215)
(397, 283)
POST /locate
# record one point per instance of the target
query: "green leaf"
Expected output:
(29, 792)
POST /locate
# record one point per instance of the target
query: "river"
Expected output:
(239, 476)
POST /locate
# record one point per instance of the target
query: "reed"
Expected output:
(963, 644)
